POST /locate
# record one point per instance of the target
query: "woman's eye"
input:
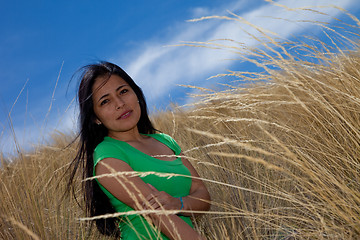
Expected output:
(104, 102)
(123, 91)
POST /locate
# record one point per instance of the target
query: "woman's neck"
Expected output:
(132, 135)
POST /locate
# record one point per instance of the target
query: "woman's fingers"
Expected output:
(152, 201)
(153, 194)
(160, 200)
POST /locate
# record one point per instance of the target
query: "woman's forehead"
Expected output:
(105, 83)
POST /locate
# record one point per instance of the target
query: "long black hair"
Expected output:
(91, 134)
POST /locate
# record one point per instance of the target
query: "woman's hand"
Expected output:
(161, 200)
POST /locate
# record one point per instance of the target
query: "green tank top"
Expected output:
(135, 226)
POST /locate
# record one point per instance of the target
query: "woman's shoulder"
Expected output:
(108, 144)
(159, 135)
(162, 137)
(109, 148)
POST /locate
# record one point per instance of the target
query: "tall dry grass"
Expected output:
(280, 157)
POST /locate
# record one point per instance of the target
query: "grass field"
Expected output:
(279, 152)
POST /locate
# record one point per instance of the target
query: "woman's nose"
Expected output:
(119, 102)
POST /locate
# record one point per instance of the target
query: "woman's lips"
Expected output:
(126, 114)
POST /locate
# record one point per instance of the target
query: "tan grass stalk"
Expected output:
(24, 228)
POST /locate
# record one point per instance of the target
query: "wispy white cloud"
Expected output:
(158, 68)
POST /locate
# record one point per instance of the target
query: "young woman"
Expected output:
(116, 136)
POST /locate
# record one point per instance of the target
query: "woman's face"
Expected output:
(115, 104)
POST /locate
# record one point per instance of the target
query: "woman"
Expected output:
(116, 135)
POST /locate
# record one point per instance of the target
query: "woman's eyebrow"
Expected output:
(121, 86)
(117, 89)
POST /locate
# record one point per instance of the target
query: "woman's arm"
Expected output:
(197, 200)
(133, 191)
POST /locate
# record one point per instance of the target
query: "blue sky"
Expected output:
(42, 43)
